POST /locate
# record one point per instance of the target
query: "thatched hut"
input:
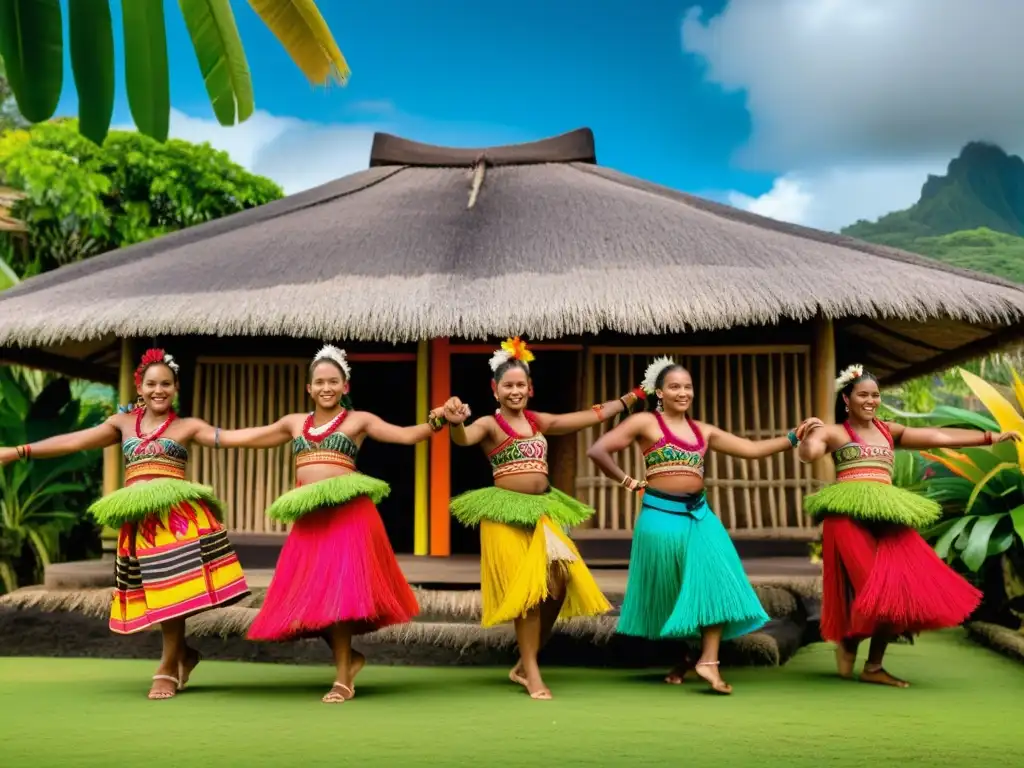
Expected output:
(421, 262)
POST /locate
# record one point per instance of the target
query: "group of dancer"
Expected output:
(337, 576)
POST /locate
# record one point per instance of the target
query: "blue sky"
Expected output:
(718, 105)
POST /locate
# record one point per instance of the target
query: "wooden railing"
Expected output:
(752, 392)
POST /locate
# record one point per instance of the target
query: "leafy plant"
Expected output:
(40, 499)
(32, 44)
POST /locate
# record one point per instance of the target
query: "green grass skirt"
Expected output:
(873, 502)
(524, 509)
(140, 500)
(332, 492)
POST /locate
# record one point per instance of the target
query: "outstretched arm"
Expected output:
(383, 432)
(269, 436)
(919, 438)
(614, 441)
(814, 444)
(99, 436)
(567, 423)
(742, 448)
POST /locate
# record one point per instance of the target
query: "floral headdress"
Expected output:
(650, 380)
(336, 356)
(852, 373)
(511, 349)
(151, 357)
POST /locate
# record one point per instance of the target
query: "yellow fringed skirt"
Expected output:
(515, 563)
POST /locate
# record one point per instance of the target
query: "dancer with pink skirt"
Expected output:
(337, 575)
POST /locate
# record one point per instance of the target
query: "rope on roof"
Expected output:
(479, 171)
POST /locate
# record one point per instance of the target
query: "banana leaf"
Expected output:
(145, 63)
(32, 47)
(225, 70)
(91, 36)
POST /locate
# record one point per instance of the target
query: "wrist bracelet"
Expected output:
(436, 423)
(988, 438)
(24, 452)
(216, 437)
(794, 441)
(599, 410)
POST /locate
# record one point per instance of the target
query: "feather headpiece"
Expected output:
(337, 356)
(152, 357)
(649, 383)
(852, 373)
(511, 349)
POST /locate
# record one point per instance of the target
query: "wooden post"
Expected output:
(823, 351)
(440, 453)
(421, 526)
(113, 462)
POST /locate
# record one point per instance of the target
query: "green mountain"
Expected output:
(973, 217)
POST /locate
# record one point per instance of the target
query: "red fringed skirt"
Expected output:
(336, 565)
(885, 578)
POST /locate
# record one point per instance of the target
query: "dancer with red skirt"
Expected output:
(881, 579)
(337, 575)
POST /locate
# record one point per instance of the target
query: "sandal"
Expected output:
(160, 695)
(719, 685)
(338, 696)
(542, 695)
(516, 678)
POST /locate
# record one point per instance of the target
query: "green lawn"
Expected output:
(964, 709)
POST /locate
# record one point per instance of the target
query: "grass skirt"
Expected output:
(173, 564)
(685, 574)
(522, 509)
(140, 500)
(515, 563)
(336, 565)
(873, 502)
(332, 492)
(885, 578)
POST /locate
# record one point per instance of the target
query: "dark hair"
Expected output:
(507, 366)
(147, 366)
(345, 400)
(841, 413)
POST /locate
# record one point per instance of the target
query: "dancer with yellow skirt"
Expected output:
(173, 555)
(530, 571)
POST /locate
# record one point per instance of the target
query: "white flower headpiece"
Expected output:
(650, 379)
(852, 373)
(171, 363)
(335, 355)
(511, 349)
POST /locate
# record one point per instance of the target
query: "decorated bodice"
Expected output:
(151, 459)
(325, 445)
(519, 455)
(859, 461)
(672, 455)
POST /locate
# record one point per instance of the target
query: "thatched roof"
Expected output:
(553, 245)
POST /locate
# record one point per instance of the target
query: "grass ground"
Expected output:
(964, 709)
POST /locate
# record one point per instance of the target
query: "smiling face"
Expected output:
(863, 399)
(676, 391)
(158, 388)
(512, 389)
(326, 385)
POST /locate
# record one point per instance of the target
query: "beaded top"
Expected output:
(672, 455)
(149, 459)
(335, 448)
(519, 454)
(859, 461)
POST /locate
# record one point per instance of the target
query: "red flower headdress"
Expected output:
(150, 357)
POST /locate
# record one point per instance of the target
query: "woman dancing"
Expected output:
(685, 576)
(337, 575)
(530, 571)
(880, 579)
(173, 556)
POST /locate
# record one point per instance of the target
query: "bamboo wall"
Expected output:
(752, 392)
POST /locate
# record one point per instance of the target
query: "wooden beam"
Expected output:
(767, 349)
(487, 349)
(440, 452)
(65, 366)
(421, 506)
(355, 357)
(113, 460)
(824, 377)
(1006, 337)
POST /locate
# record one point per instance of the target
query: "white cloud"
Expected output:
(835, 197)
(831, 81)
(856, 101)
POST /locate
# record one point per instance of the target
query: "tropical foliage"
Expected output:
(42, 502)
(81, 199)
(32, 45)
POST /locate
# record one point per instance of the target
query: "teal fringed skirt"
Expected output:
(685, 574)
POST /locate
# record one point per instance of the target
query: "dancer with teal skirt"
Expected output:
(685, 576)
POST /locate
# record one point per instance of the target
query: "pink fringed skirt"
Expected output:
(337, 565)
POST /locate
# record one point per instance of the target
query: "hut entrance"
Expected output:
(556, 382)
(234, 393)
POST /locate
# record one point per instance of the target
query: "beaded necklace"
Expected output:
(156, 433)
(316, 434)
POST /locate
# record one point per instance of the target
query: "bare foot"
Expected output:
(878, 676)
(338, 694)
(845, 659)
(708, 670)
(189, 662)
(164, 687)
(677, 674)
(516, 674)
(536, 688)
(358, 662)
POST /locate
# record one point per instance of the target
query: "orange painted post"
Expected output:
(440, 452)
